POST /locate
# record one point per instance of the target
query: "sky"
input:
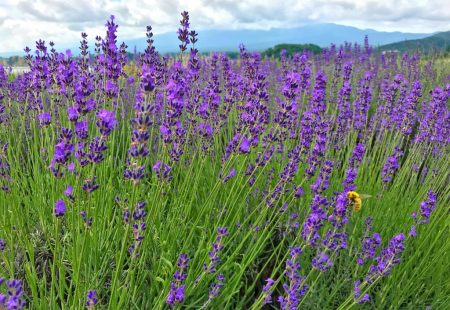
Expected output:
(23, 22)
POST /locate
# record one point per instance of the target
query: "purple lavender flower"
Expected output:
(135, 173)
(231, 146)
(318, 151)
(214, 291)
(2, 245)
(62, 152)
(183, 32)
(388, 257)
(369, 247)
(335, 240)
(90, 185)
(407, 114)
(5, 177)
(391, 165)
(357, 293)
(176, 293)
(435, 116)
(166, 133)
(72, 113)
(217, 246)
(15, 298)
(126, 215)
(267, 292)
(291, 168)
(311, 226)
(68, 191)
(91, 299)
(299, 192)
(322, 262)
(106, 121)
(147, 81)
(245, 146)
(71, 167)
(412, 231)
(63, 149)
(60, 208)
(295, 288)
(81, 129)
(354, 162)
(362, 103)
(140, 136)
(205, 130)
(427, 206)
(338, 217)
(369, 244)
(139, 227)
(322, 180)
(345, 113)
(162, 171)
(111, 89)
(96, 148)
(230, 175)
(87, 221)
(157, 166)
(45, 119)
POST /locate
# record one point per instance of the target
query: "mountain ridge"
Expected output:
(321, 34)
(437, 42)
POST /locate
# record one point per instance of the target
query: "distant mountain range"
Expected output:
(438, 42)
(319, 34)
(228, 40)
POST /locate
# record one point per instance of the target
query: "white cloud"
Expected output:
(23, 22)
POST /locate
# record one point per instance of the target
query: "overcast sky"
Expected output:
(23, 22)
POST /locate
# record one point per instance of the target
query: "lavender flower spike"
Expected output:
(91, 299)
(176, 293)
(60, 208)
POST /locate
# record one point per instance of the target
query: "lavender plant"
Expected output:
(283, 182)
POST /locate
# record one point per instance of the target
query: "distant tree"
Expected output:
(291, 49)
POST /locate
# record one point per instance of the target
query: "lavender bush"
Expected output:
(193, 181)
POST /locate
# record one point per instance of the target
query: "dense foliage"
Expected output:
(437, 43)
(291, 49)
(309, 182)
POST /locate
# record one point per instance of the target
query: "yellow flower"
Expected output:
(355, 199)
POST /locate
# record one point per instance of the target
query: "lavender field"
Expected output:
(205, 182)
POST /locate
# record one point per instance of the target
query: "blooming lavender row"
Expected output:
(202, 181)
